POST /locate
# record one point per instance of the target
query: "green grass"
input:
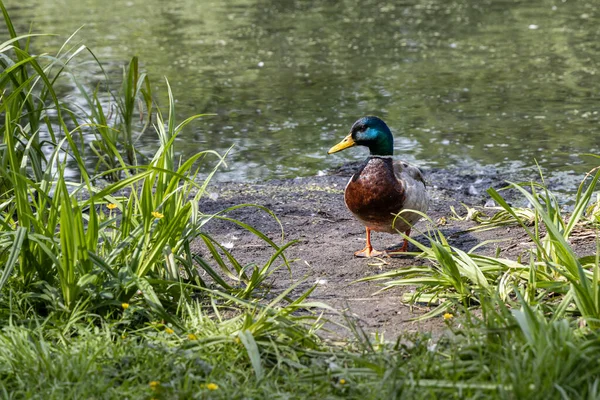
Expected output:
(101, 295)
(517, 354)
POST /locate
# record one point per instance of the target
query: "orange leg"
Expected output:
(368, 250)
(405, 245)
(399, 249)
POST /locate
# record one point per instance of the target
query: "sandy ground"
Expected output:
(312, 212)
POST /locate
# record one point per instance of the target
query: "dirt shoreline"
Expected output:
(312, 212)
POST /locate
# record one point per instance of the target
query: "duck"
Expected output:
(383, 187)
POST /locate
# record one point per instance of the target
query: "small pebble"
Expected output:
(489, 204)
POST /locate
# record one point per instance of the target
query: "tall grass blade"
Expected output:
(17, 243)
(253, 353)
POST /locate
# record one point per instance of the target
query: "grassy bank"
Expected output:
(101, 295)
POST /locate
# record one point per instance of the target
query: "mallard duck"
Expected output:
(382, 187)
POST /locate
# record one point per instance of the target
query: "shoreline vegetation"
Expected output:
(104, 292)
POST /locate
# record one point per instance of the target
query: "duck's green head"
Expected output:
(371, 132)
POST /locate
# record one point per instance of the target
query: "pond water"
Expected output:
(470, 84)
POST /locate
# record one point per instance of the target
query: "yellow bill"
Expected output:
(344, 144)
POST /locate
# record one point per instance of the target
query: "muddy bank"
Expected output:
(312, 211)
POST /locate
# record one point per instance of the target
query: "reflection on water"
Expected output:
(492, 82)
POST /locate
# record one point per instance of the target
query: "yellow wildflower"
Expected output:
(191, 336)
(169, 330)
(111, 206)
(212, 386)
(154, 385)
(448, 316)
(125, 306)
(157, 215)
(342, 381)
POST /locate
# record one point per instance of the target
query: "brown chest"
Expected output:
(374, 192)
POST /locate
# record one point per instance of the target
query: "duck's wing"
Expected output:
(415, 191)
(402, 170)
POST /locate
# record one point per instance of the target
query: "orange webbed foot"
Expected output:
(399, 249)
(368, 252)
